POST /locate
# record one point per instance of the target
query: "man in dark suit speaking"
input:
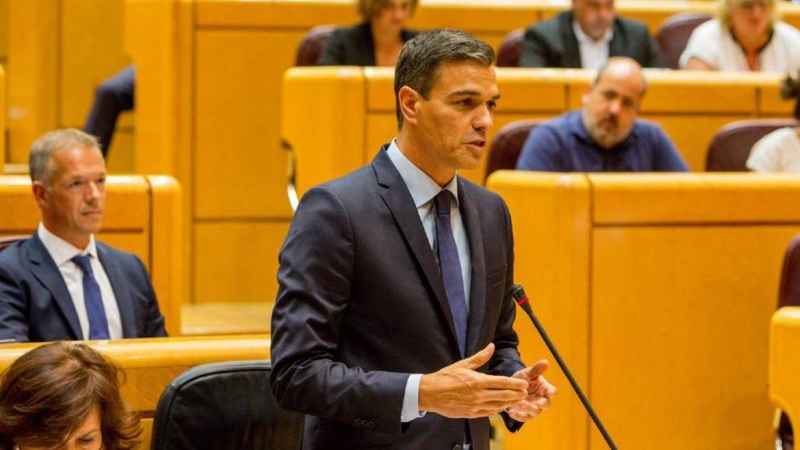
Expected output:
(392, 326)
(61, 284)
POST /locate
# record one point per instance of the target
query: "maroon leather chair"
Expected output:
(674, 33)
(510, 49)
(311, 46)
(730, 147)
(507, 145)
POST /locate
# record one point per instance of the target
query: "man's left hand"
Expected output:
(540, 393)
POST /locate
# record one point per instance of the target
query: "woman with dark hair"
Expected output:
(376, 41)
(65, 395)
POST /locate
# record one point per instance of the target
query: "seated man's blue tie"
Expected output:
(98, 324)
(450, 266)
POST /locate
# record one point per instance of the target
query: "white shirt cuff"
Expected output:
(411, 400)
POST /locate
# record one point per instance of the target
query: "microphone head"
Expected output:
(517, 292)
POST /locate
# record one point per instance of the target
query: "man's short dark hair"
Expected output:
(419, 61)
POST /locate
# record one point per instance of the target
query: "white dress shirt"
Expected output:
(62, 253)
(423, 189)
(593, 53)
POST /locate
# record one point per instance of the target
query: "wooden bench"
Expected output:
(353, 110)
(658, 290)
(142, 216)
(151, 364)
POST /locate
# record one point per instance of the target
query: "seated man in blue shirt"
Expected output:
(605, 135)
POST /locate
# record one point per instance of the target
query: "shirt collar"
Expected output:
(584, 38)
(419, 184)
(62, 251)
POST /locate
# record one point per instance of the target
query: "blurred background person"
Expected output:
(605, 135)
(586, 36)
(376, 41)
(779, 151)
(65, 396)
(746, 35)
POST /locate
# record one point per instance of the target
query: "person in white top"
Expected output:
(745, 36)
(777, 152)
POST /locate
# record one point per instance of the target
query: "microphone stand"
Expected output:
(518, 293)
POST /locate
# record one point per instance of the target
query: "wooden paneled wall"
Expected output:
(658, 291)
(59, 51)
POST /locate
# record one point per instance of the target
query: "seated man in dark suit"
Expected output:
(61, 284)
(605, 135)
(586, 36)
(376, 41)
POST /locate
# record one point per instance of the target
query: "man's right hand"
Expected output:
(459, 391)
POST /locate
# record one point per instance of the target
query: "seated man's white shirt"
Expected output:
(62, 253)
(593, 53)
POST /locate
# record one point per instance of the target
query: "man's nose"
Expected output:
(484, 120)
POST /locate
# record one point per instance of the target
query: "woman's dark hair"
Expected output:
(47, 393)
(790, 89)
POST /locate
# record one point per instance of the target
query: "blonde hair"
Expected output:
(724, 12)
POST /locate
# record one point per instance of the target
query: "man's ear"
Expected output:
(586, 95)
(40, 194)
(409, 102)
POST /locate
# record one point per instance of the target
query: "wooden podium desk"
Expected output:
(658, 291)
(142, 216)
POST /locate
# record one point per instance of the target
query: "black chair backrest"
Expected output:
(507, 145)
(730, 147)
(312, 44)
(510, 49)
(224, 406)
(674, 33)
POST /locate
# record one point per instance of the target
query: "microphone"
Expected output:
(518, 294)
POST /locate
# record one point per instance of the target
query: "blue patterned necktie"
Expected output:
(450, 267)
(98, 324)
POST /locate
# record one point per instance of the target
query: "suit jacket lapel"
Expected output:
(617, 45)
(118, 283)
(46, 271)
(477, 296)
(572, 53)
(401, 205)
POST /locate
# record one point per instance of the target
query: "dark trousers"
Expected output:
(112, 97)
